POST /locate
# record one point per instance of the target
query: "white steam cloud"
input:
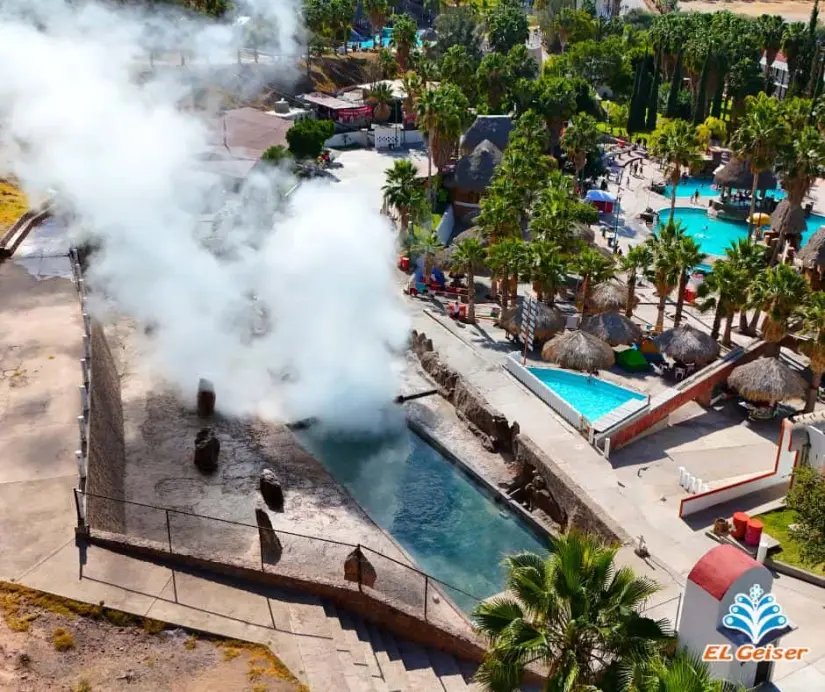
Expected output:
(294, 322)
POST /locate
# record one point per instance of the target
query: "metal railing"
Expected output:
(278, 551)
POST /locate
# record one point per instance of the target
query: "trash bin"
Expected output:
(753, 532)
(740, 523)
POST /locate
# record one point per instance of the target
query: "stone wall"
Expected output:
(106, 447)
(564, 501)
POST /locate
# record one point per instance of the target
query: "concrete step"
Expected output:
(468, 670)
(353, 653)
(388, 658)
(321, 664)
(447, 670)
(420, 674)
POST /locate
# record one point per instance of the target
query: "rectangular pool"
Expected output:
(450, 524)
(590, 396)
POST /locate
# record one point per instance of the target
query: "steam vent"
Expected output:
(206, 398)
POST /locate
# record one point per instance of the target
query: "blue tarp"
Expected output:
(437, 274)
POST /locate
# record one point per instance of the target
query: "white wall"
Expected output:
(384, 136)
(345, 139)
(816, 452)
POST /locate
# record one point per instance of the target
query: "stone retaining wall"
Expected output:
(562, 499)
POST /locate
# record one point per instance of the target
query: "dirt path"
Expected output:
(791, 10)
(48, 643)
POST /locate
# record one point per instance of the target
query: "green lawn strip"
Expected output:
(776, 524)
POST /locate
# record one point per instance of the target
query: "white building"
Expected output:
(808, 439)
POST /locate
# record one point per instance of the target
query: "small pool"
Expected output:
(590, 396)
(359, 40)
(448, 523)
(689, 186)
(715, 235)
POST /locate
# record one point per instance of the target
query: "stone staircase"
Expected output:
(341, 652)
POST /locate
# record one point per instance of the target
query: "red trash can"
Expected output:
(740, 523)
(753, 532)
(404, 263)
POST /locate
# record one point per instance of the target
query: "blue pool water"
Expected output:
(368, 42)
(448, 523)
(590, 396)
(715, 235)
(688, 187)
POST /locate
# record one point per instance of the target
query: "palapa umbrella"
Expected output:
(812, 254)
(737, 174)
(609, 296)
(789, 218)
(688, 345)
(613, 328)
(767, 380)
(578, 350)
(760, 218)
(549, 321)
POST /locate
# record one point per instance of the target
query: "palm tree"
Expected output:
(377, 11)
(518, 264)
(593, 267)
(413, 87)
(573, 611)
(688, 255)
(404, 38)
(387, 67)
(402, 191)
(771, 30)
(683, 672)
(638, 259)
(812, 313)
(499, 261)
(758, 138)
(469, 254)
(666, 267)
(381, 98)
(548, 270)
(777, 291)
(579, 139)
(749, 257)
(676, 145)
(800, 162)
(724, 290)
(425, 243)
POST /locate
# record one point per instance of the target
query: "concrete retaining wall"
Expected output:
(569, 505)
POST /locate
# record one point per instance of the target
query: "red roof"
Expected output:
(719, 568)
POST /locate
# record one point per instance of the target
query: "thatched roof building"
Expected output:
(767, 380)
(549, 321)
(493, 128)
(613, 328)
(609, 296)
(474, 172)
(737, 174)
(444, 257)
(812, 255)
(688, 345)
(788, 217)
(578, 350)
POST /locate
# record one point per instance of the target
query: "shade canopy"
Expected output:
(613, 328)
(767, 380)
(549, 321)
(597, 195)
(578, 350)
(788, 217)
(737, 174)
(688, 345)
(812, 254)
(609, 296)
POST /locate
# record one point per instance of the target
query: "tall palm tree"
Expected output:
(666, 267)
(377, 11)
(777, 291)
(381, 98)
(413, 87)
(573, 611)
(402, 191)
(724, 290)
(750, 257)
(677, 146)
(548, 270)
(771, 29)
(499, 260)
(404, 30)
(812, 312)
(579, 139)
(593, 267)
(638, 259)
(688, 256)
(758, 138)
(425, 243)
(469, 254)
(800, 161)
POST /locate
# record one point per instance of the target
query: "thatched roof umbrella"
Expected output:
(578, 350)
(789, 217)
(688, 345)
(812, 254)
(549, 321)
(609, 296)
(737, 174)
(613, 328)
(768, 380)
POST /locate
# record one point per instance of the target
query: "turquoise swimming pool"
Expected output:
(590, 396)
(715, 235)
(358, 40)
(688, 187)
(449, 523)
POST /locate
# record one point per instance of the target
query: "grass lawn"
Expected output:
(436, 220)
(13, 204)
(776, 524)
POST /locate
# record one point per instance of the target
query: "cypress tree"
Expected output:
(718, 97)
(653, 100)
(701, 95)
(675, 88)
(634, 98)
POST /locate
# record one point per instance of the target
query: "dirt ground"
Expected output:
(791, 10)
(48, 643)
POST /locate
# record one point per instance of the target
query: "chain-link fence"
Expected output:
(274, 550)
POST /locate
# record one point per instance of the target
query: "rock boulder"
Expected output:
(207, 449)
(271, 548)
(271, 490)
(357, 567)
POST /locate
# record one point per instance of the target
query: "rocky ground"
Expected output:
(49, 643)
